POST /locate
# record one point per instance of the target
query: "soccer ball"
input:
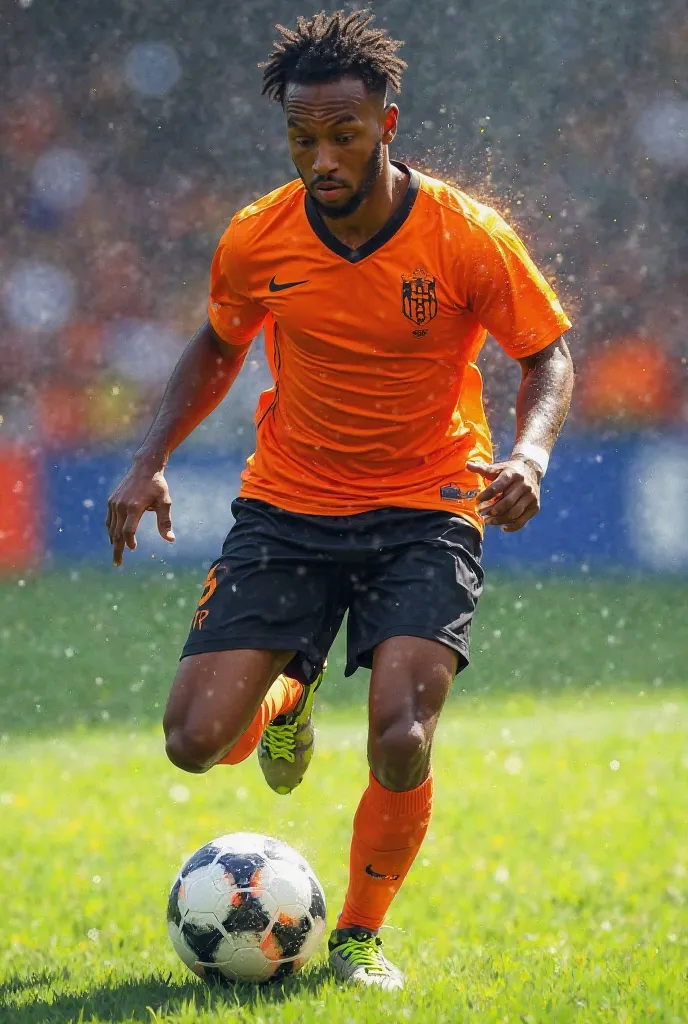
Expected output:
(245, 908)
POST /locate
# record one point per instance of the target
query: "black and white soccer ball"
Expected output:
(246, 908)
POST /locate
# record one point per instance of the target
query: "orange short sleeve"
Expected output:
(509, 295)
(231, 311)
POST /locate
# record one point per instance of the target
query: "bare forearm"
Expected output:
(513, 497)
(199, 382)
(544, 396)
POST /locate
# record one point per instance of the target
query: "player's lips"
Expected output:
(328, 191)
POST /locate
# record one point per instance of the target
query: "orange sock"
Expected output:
(388, 831)
(282, 697)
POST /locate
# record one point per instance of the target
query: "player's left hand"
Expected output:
(513, 497)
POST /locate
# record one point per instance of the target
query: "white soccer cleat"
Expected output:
(356, 957)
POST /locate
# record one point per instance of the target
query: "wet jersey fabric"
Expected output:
(377, 399)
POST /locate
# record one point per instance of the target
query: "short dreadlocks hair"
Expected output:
(329, 46)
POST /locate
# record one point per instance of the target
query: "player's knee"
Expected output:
(399, 755)
(191, 751)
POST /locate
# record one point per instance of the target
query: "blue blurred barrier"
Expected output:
(606, 504)
(202, 489)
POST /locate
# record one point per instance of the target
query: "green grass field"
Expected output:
(554, 880)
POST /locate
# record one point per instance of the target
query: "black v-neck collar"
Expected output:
(387, 231)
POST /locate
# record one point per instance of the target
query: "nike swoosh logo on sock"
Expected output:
(376, 874)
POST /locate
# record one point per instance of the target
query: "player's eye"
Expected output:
(303, 143)
(342, 140)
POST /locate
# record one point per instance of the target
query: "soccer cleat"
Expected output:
(286, 746)
(356, 956)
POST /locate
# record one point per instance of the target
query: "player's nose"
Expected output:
(324, 162)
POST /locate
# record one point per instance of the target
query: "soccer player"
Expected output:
(373, 476)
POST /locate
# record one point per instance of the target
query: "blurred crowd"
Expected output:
(128, 141)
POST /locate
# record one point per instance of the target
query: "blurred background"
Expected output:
(128, 138)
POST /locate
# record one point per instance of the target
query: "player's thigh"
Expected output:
(216, 694)
(409, 683)
(425, 583)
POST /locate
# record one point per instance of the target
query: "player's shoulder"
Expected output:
(460, 208)
(265, 214)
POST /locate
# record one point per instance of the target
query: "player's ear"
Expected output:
(389, 123)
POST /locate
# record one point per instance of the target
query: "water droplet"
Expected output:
(179, 794)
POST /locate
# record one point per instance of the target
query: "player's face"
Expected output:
(337, 132)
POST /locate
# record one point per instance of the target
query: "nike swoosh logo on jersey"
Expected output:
(274, 287)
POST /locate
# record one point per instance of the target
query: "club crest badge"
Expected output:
(418, 297)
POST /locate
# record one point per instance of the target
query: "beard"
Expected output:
(371, 173)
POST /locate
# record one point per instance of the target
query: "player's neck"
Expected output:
(374, 212)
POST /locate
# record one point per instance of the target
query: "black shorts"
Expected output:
(285, 581)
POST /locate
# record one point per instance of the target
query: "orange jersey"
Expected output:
(377, 397)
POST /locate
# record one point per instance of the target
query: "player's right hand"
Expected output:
(139, 492)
